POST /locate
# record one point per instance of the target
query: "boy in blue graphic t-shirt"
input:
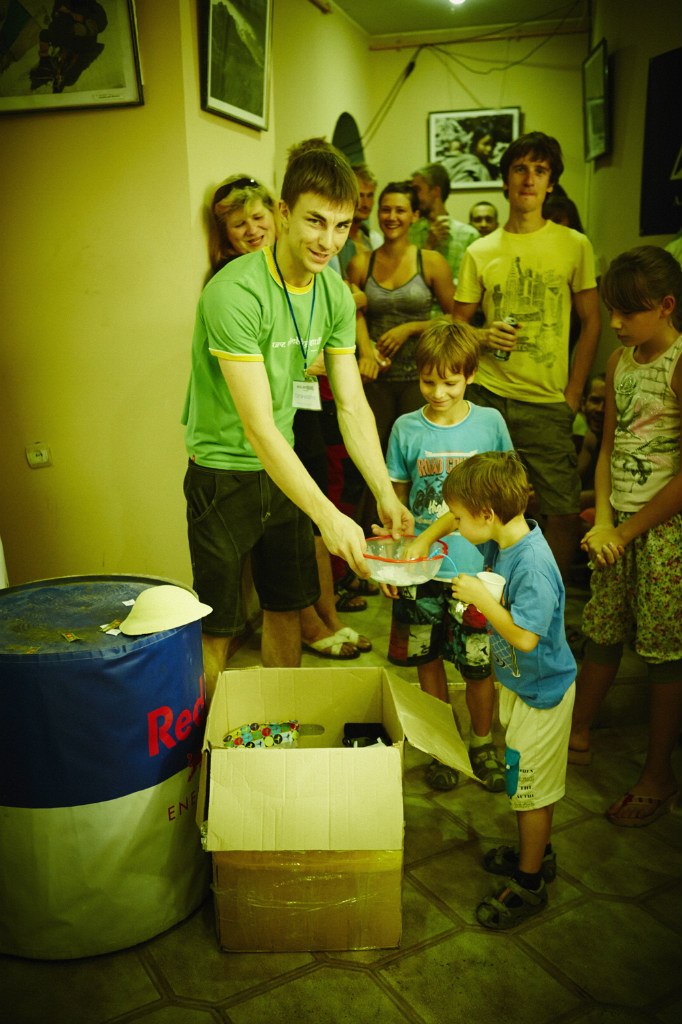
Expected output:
(426, 628)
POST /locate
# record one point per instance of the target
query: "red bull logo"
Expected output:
(163, 726)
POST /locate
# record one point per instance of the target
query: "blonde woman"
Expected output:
(242, 219)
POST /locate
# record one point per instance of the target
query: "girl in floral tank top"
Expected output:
(635, 544)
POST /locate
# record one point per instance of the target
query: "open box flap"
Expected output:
(333, 799)
(201, 812)
(429, 725)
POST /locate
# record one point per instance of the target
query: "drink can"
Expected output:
(499, 353)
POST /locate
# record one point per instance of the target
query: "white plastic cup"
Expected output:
(493, 582)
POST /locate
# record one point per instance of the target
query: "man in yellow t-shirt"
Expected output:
(535, 271)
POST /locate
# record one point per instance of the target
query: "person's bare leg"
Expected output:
(535, 830)
(658, 778)
(314, 629)
(485, 761)
(214, 650)
(562, 533)
(480, 700)
(433, 680)
(312, 626)
(321, 620)
(281, 640)
(665, 723)
(326, 605)
(591, 687)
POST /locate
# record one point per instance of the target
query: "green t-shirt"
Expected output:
(452, 247)
(243, 314)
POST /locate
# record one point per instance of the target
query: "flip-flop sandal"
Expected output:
(500, 912)
(441, 776)
(347, 601)
(357, 585)
(504, 860)
(349, 636)
(332, 647)
(655, 809)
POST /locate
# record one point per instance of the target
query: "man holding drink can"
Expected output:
(532, 271)
(503, 353)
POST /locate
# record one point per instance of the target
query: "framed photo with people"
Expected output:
(470, 144)
(235, 51)
(69, 55)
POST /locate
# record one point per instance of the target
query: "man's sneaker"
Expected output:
(487, 767)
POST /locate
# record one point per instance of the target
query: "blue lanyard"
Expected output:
(304, 350)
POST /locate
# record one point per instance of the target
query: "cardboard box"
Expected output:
(307, 842)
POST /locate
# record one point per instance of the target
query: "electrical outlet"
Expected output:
(38, 455)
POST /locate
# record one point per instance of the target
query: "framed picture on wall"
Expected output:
(661, 193)
(470, 144)
(69, 55)
(235, 44)
(596, 103)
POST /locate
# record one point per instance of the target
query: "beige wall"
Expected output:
(634, 33)
(99, 307)
(546, 88)
(321, 69)
(104, 251)
(105, 255)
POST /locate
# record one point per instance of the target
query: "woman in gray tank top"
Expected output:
(401, 284)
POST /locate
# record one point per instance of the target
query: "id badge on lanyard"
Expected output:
(305, 394)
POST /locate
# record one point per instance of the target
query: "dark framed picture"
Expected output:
(661, 190)
(69, 55)
(470, 143)
(235, 41)
(596, 103)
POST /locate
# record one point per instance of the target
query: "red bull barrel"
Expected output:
(101, 738)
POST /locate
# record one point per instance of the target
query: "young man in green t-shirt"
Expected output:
(261, 323)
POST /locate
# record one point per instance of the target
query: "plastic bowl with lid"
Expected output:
(388, 563)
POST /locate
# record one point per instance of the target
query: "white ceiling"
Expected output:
(395, 17)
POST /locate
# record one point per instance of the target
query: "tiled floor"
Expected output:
(608, 950)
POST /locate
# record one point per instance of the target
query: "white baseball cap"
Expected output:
(163, 607)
